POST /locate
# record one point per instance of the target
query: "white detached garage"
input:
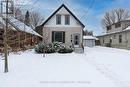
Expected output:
(89, 41)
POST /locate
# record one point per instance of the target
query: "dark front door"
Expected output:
(76, 40)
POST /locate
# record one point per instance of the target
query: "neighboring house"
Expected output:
(63, 26)
(117, 35)
(89, 41)
(18, 35)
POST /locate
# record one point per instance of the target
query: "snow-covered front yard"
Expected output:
(97, 67)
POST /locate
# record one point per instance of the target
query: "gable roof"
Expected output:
(21, 26)
(2, 22)
(68, 11)
(18, 25)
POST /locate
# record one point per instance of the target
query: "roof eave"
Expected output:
(68, 11)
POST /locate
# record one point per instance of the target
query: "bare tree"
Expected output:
(114, 16)
(36, 19)
(86, 32)
(122, 14)
(18, 14)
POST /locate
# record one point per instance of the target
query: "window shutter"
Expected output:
(52, 36)
(63, 37)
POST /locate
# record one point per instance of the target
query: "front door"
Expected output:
(76, 40)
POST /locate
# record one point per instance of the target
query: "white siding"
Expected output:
(115, 41)
(68, 32)
(72, 29)
(115, 36)
(128, 39)
(63, 12)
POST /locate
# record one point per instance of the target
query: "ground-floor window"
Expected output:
(120, 38)
(58, 36)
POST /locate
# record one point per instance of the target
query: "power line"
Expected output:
(90, 5)
(33, 4)
(30, 8)
(87, 11)
(21, 4)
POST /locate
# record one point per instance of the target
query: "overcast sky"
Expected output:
(90, 12)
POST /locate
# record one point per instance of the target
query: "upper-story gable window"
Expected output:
(58, 19)
(67, 19)
(117, 24)
(108, 28)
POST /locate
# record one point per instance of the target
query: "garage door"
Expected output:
(89, 43)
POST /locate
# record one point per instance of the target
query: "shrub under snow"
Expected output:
(52, 48)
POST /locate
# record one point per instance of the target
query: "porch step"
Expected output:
(78, 50)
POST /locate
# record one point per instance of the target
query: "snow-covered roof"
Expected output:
(126, 29)
(3, 23)
(90, 37)
(19, 25)
(63, 5)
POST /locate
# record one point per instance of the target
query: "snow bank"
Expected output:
(97, 67)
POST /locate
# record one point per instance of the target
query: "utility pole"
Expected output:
(5, 15)
(5, 39)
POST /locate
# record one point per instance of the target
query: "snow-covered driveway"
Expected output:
(97, 67)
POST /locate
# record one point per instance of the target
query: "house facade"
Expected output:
(63, 26)
(117, 35)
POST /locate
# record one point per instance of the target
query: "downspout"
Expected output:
(43, 40)
(42, 34)
(82, 37)
(126, 39)
(82, 40)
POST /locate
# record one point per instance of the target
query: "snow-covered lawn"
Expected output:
(97, 67)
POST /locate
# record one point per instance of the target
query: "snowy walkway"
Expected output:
(97, 67)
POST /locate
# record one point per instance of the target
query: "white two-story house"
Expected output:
(63, 26)
(117, 35)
